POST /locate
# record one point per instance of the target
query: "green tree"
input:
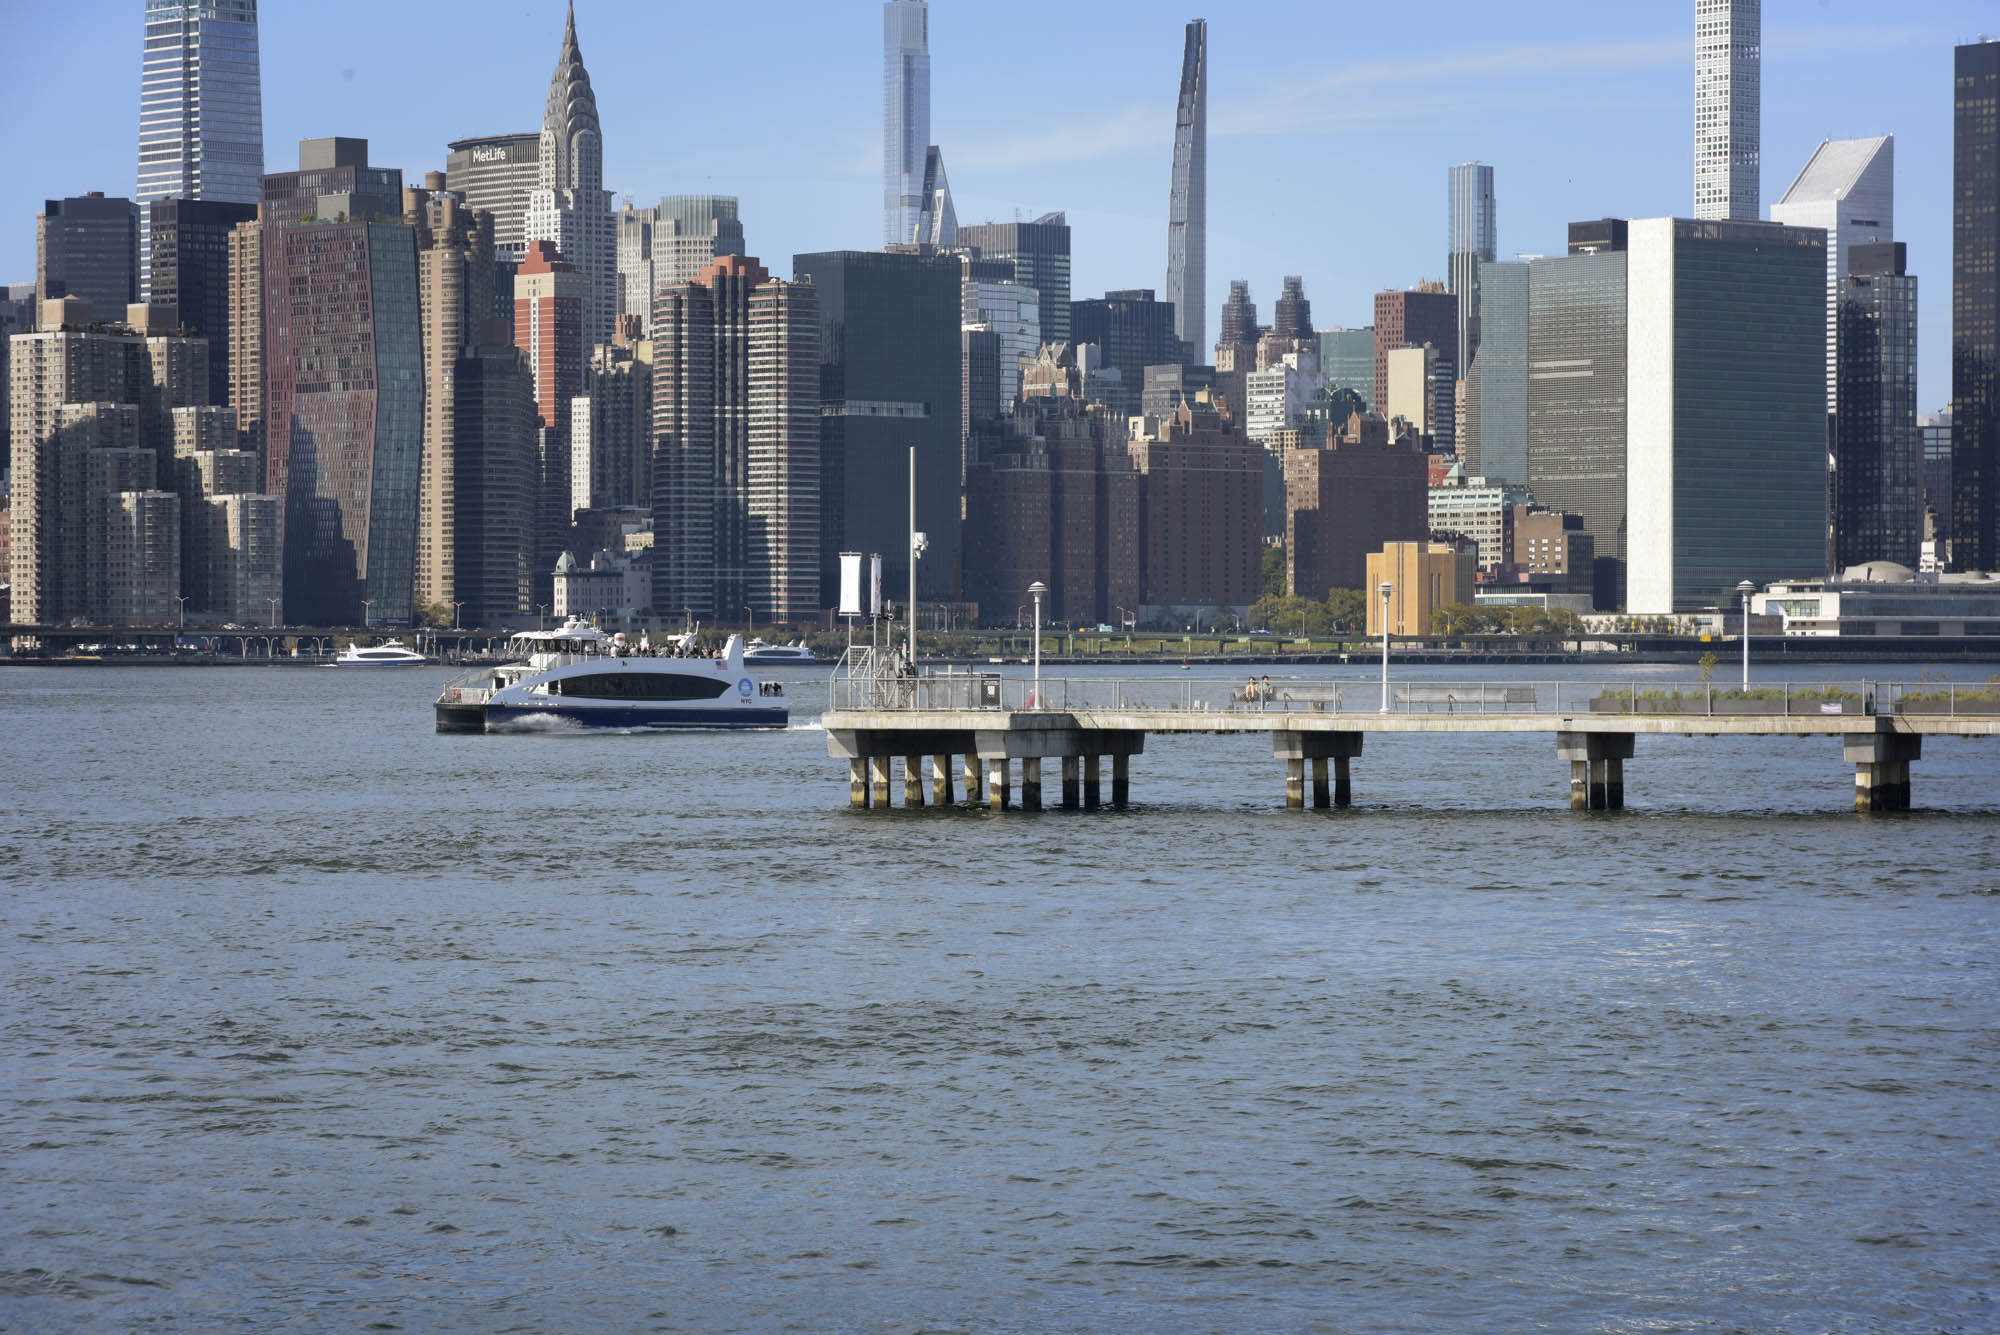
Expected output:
(1347, 609)
(1274, 571)
(433, 614)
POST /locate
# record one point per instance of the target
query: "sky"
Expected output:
(1331, 125)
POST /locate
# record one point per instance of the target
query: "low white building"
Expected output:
(1883, 598)
(1482, 510)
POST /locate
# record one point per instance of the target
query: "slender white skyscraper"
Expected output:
(201, 109)
(1473, 237)
(570, 205)
(906, 115)
(1728, 108)
(1187, 207)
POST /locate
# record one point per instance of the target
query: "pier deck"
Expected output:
(993, 722)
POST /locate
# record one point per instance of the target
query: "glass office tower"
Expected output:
(201, 107)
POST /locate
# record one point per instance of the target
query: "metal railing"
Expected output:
(960, 691)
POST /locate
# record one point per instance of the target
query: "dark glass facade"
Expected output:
(1877, 464)
(1496, 385)
(1134, 330)
(1040, 252)
(890, 378)
(1576, 401)
(190, 240)
(1975, 308)
(88, 247)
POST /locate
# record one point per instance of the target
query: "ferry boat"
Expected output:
(577, 675)
(390, 653)
(760, 654)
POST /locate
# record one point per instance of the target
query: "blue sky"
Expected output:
(1331, 125)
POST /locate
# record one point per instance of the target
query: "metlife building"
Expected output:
(497, 174)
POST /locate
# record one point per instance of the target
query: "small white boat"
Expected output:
(760, 654)
(578, 675)
(390, 653)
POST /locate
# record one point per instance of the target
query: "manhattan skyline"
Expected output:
(1578, 123)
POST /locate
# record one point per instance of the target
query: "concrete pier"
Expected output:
(1595, 737)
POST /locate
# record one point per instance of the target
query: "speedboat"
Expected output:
(761, 654)
(577, 675)
(390, 653)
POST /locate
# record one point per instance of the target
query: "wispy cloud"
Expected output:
(1136, 125)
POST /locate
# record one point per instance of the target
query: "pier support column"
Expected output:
(1296, 748)
(998, 782)
(1031, 783)
(1069, 783)
(913, 781)
(878, 775)
(1881, 763)
(971, 776)
(857, 783)
(941, 780)
(1596, 768)
(1121, 779)
(1093, 792)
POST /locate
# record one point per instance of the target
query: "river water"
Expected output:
(317, 1020)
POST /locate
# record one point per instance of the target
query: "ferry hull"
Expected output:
(496, 718)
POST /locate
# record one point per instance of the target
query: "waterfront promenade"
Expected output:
(983, 725)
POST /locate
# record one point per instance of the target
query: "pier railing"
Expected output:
(959, 691)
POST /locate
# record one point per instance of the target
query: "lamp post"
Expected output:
(1387, 589)
(454, 614)
(1035, 591)
(274, 611)
(366, 603)
(181, 599)
(1746, 588)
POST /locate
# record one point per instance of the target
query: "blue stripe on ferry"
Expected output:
(625, 716)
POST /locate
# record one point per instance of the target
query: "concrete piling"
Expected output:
(1596, 768)
(998, 784)
(1121, 779)
(857, 783)
(1069, 783)
(1031, 783)
(970, 773)
(1881, 763)
(941, 780)
(878, 776)
(913, 781)
(1093, 790)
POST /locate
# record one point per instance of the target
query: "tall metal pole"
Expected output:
(913, 557)
(1746, 588)
(1387, 589)
(1037, 589)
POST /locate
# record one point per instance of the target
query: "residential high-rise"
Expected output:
(1239, 315)
(1975, 308)
(1728, 108)
(1848, 188)
(1577, 392)
(344, 396)
(890, 379)
(1474, 235)
(1347, 360)
(190, 273)
(1409, 319)
(1012, 311)
(570, 205)
(333, 183)
(496, 175)
(906, 115)
(1187, 205)
(1039, 252)
(1346, 500)
(88, 248)
(611, 430)
(550, 296)
(1495, 440)
(937, 220)
(201, 110)
(1201, 536)
(1725, 409)
(736, 425)
(1134, 330)
(246, 334)
(495, 476)
(1878, 454)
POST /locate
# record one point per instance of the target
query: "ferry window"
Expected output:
(640, 686)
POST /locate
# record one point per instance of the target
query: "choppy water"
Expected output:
(316, 1020)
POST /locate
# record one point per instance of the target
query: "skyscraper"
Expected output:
(190, 273)
(1494, 443)
(1134, 330)
(671, 242)
(570, 205)
(1291, 317)
(88, 247)
(906, 115)
(1039, 251)
(1728, 108)
(1878, 453)
(1187, 206)
(344, 399)
(1473, 237)
(201, 108)
(497, 174)
(1848, 188)
(1725, 409)
(550, 296)
(1239, 314)
(1975, 308)
(937, 220)
(1410, 319)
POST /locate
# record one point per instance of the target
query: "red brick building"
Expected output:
(1351, 498)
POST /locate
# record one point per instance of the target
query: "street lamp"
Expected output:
(181, 599)
(366, 603)
(454, 614)
(1387, 589)
(1746, 588)
(274, 610)
(1035, 591)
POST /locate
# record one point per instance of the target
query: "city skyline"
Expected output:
(1101, 159)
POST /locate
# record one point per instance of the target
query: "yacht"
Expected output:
(579, 676)
(761, 654)
(390, 653)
